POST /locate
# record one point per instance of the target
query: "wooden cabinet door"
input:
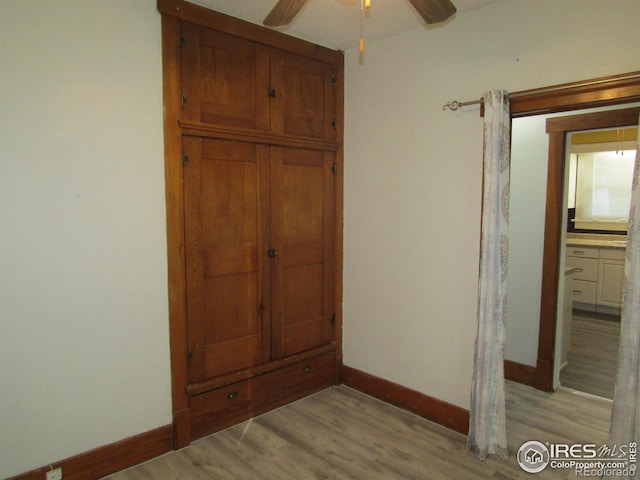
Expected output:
(227, 276)
(305, 96)
(225, 79)
(302, 233)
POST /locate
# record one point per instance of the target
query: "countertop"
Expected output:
(596, 240)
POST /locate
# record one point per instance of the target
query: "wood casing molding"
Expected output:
(448, 415)
(595, 92)
(111, 458)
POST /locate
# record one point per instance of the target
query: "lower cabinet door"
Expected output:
(610, 283)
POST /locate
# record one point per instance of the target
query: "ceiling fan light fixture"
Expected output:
(431, 11)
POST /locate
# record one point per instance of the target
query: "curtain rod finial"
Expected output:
(453, 105)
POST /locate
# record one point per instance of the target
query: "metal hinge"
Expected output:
(334, 123)
(183, 40)
(333, 319)
(334, 168)
(183, 98)
(334, 80)
(185, 159)
(189, 356)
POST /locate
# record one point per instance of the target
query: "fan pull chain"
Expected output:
(364, 5)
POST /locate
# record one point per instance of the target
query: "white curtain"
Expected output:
(487, 428)
(625, 415)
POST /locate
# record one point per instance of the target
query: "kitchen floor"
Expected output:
(593, 354)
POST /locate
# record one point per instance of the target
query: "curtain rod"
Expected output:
(455, 104)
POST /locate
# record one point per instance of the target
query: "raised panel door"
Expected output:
(224, 79)
(225, 185)
(302, 232)
(610, 283)
(304, 101)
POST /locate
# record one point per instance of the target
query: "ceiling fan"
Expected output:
(432, 11)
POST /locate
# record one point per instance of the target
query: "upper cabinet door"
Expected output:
(224, 79)
(303, 99)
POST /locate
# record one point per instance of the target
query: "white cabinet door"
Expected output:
(610, 282)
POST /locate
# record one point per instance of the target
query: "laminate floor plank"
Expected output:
(342, 434)
(593, 354)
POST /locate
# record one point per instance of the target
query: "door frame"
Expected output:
(557, 129)
(597, 92)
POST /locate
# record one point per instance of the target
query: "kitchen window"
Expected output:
(600, 177)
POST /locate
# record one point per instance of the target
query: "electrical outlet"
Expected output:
(55, 474)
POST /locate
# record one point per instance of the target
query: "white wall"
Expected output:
(413, 172)
(84, 355)
(529, 159)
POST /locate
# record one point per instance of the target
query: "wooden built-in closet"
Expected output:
(253, 163)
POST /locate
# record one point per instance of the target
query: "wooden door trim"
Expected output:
(204, 130)
(557, 128)
(175, 230)
(595, 92)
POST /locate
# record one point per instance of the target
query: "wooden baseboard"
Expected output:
(446, 414)
(519, 372)
(110, 458)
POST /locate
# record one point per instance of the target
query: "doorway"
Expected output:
(538, 369)
(555, 228)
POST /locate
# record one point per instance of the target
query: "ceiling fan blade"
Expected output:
(434, 11)
(283, 12)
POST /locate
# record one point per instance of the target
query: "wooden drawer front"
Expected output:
(613, 253)
(587, 268)
(226, 406)
(585, 252)
(584, 292)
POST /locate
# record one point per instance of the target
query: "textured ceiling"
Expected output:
(336, 23)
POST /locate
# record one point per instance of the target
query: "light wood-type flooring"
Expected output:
(341, 433)
(593, 354)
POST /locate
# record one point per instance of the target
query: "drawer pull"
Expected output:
(306, 369)
(579, 270)
(578, 252)
(577, 292)
(232, 395)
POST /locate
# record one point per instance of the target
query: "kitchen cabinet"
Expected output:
(585, 262)
(610, 277)
(598, 278)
